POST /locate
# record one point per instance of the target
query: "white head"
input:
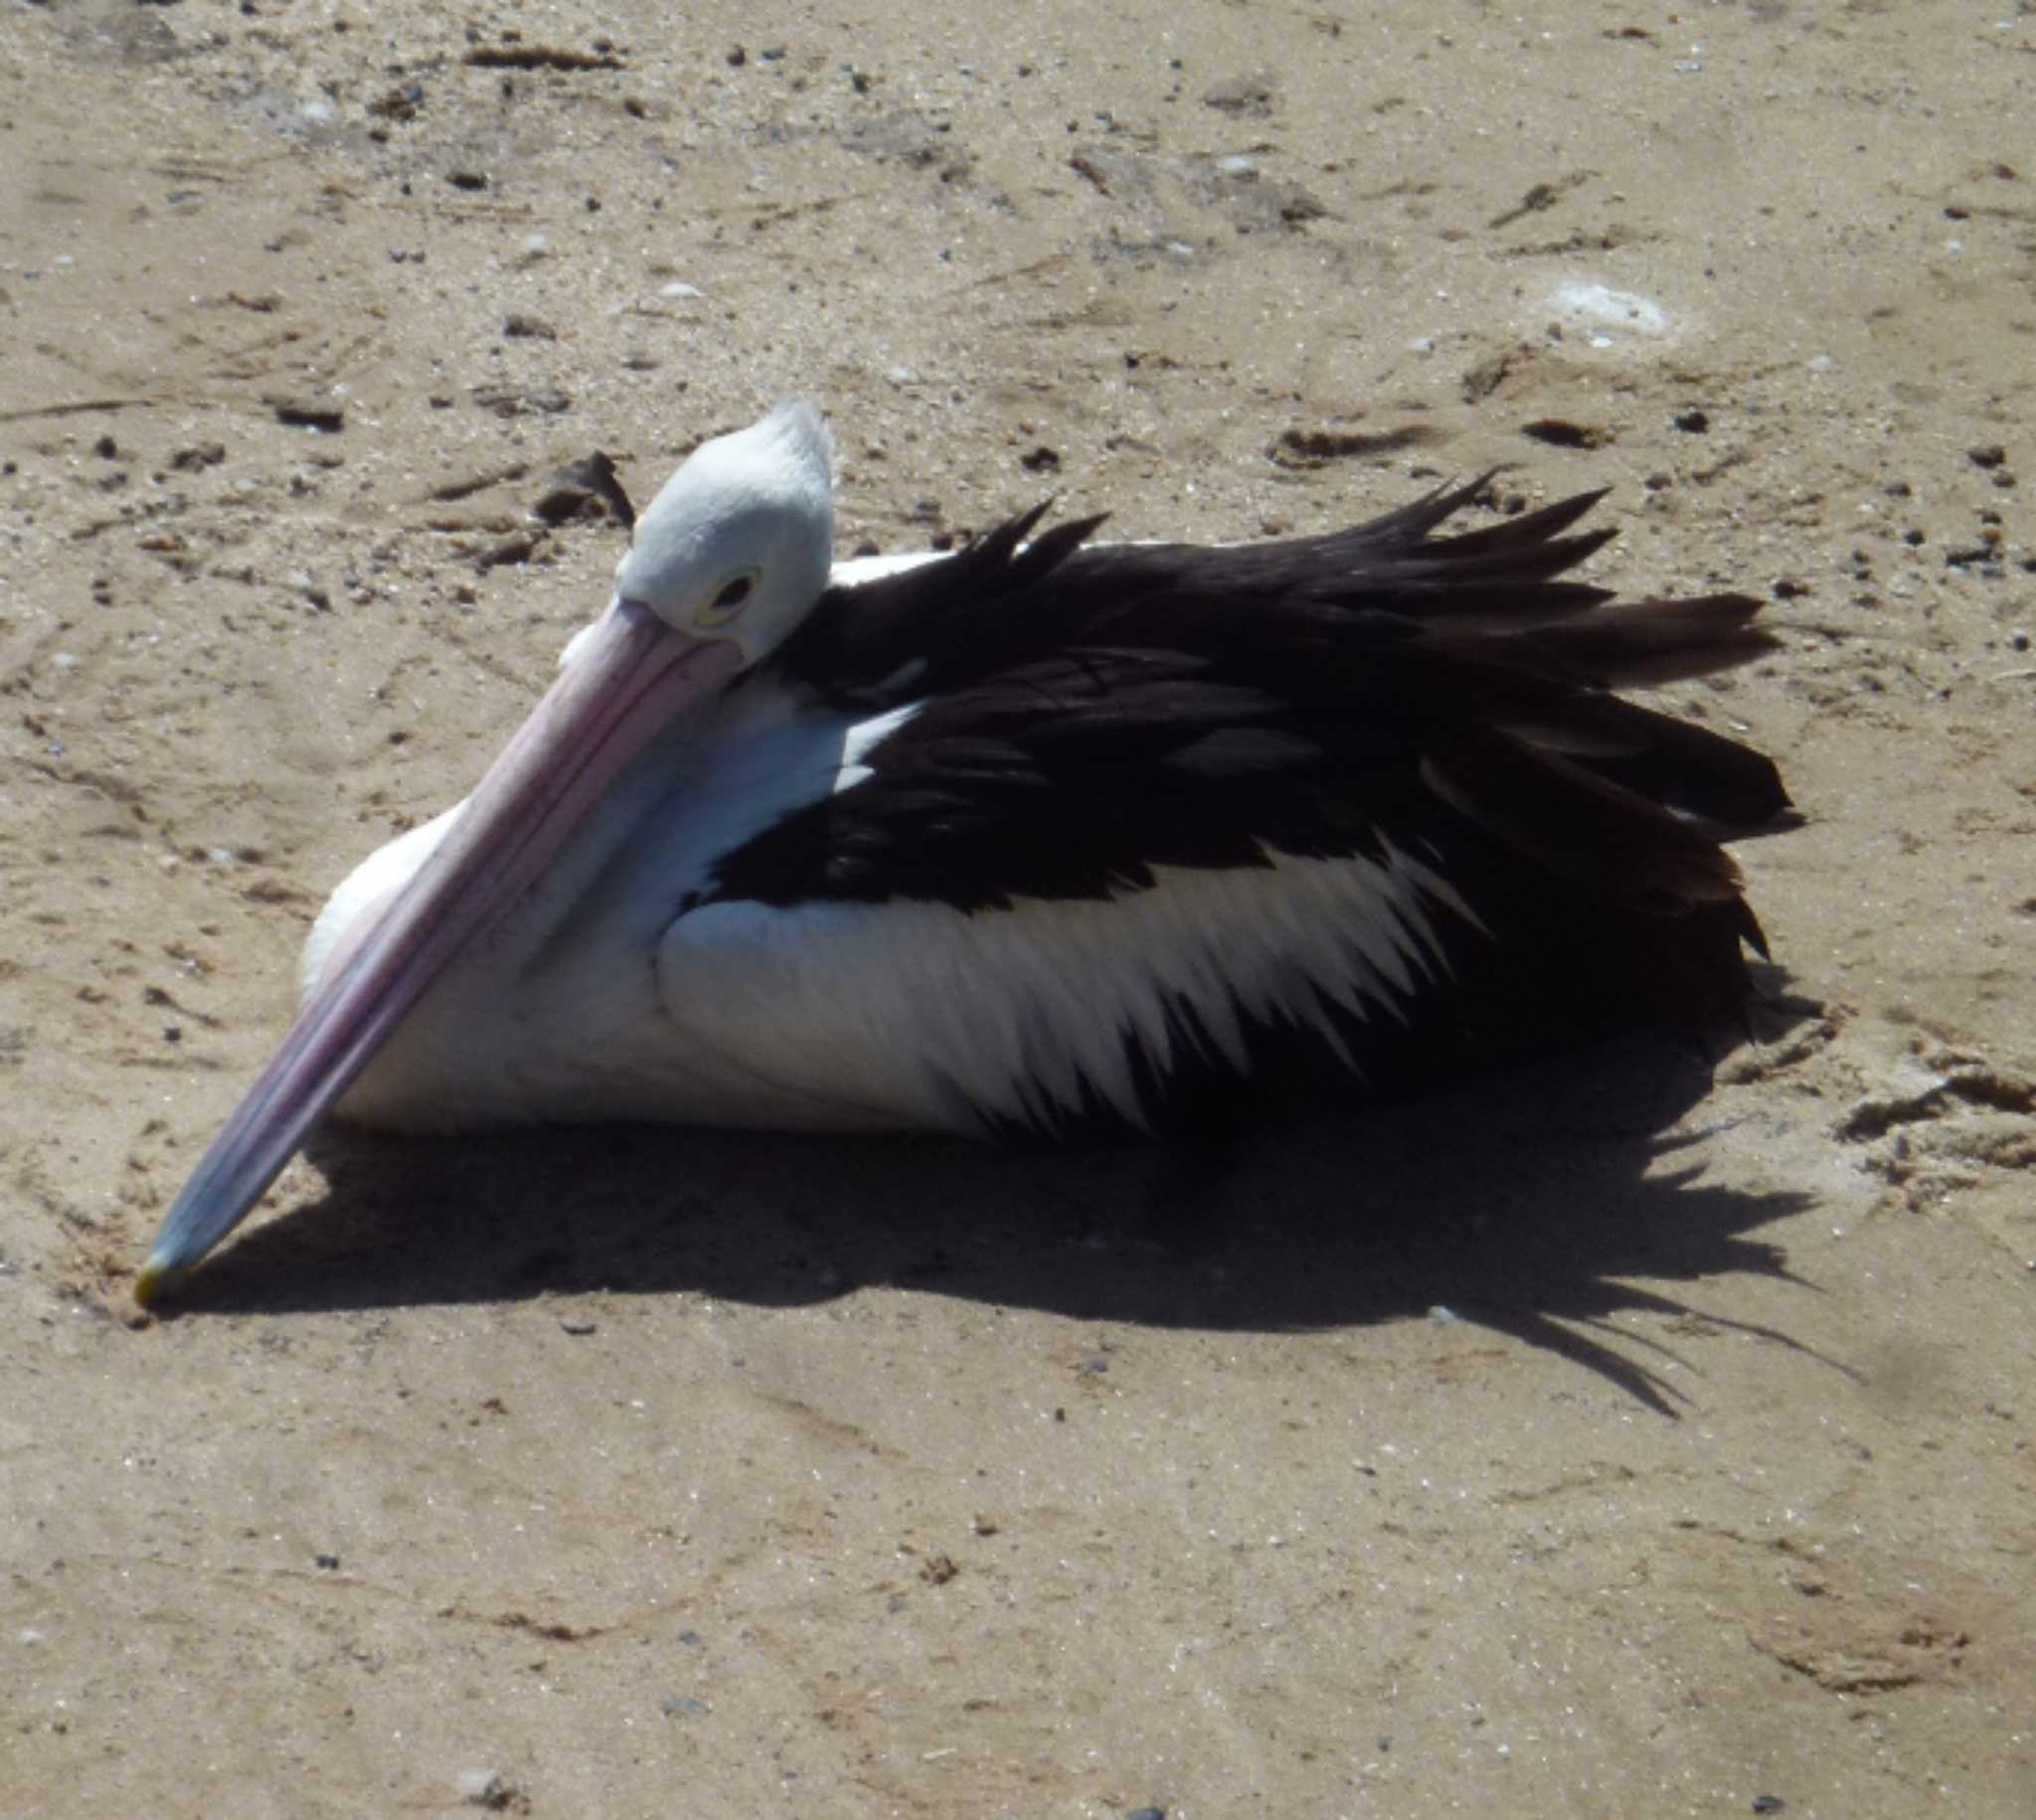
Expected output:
(738, 544)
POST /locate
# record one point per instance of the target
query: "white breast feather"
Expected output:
(908, 1014)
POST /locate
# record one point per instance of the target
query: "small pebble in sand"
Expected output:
(485, 1788)
(307, 412)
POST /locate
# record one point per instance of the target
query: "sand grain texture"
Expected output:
(1603, 1440)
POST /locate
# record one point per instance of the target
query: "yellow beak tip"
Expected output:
(152, 1282)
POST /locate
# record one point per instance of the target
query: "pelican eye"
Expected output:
(729, 599)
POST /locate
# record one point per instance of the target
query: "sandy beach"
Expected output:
(1617, 1434)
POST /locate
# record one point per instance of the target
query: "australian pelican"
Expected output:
(1025, 836)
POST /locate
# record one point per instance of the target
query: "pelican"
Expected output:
(1023, 837)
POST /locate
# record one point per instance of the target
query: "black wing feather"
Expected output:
(1088, 715)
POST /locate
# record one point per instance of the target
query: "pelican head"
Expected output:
(738, 542)
(729, 559)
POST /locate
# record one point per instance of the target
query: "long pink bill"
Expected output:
(631, 675)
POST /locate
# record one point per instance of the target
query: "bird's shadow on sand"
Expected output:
(1521, 1200)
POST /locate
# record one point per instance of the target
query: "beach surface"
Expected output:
(1627, 1433)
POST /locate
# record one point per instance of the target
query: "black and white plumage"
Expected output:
(1028, 836)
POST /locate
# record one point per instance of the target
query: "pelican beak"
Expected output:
(626, 680)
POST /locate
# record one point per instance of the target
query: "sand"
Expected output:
(1613, 1436)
